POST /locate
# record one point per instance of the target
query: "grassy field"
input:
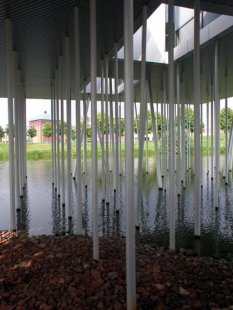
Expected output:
(36, 151)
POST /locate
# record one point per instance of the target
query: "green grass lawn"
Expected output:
(37, 151)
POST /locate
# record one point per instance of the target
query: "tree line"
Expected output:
(188, 122)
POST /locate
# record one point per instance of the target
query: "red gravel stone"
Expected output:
(47, 272)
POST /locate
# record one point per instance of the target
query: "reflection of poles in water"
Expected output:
(22, 215)
(63, 220)
(55, 217)
(160, 217)
(85, 212)
(107, 220)
(117, 224)
(103, 218)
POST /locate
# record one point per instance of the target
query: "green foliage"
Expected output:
(2, 132)
(32, 132)
(7, 130)
(99, 120)
(88, 131)
(189, 120)
(47, 130)
(229, 119)
(158, 119)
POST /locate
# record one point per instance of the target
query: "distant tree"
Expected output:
(73, 133)
(158, 120)
(47, 130)
(32, 132)
(7, 130)
(122, 124)
(88, 132)
(2, 132)
(229, 119)
(189, 120)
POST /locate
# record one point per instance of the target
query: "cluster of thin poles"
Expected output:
(169, 163)
(16, 127)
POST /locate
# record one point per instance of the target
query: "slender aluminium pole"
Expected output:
(129, 156)
(226, 132)
(171, 96)
(78, 123)
(52, 133)
(207, 129)
(143, 111)
(85, 134)
(107, 130)
(68, 112)
(63, 198)
(9, 58)
(57, 102)
(155, 137)
(179, 155)
(113, 155)
(217, 125)
(102, 132)
(212, 133)
(94, 171)
(182, 98)
(197, 99)
(116, 130)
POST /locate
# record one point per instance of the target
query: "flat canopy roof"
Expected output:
(39, 29)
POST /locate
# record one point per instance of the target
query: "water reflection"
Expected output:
(41, 211)
(23, 214)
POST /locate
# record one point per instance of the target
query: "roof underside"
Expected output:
(39, 29)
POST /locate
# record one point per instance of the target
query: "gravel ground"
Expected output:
(47, 272)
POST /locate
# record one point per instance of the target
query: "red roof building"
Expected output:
(39, 123)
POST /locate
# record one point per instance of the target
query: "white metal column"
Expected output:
(143, 111)
(226, 131)
(106, 130)
(61, 79)
(116, 130)
(68, 117)
(102, 132)
(197, 99)
(129, 156)
(217, 125)
(9, 58)
(93, 55)
(171, 95)
(78, 124)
